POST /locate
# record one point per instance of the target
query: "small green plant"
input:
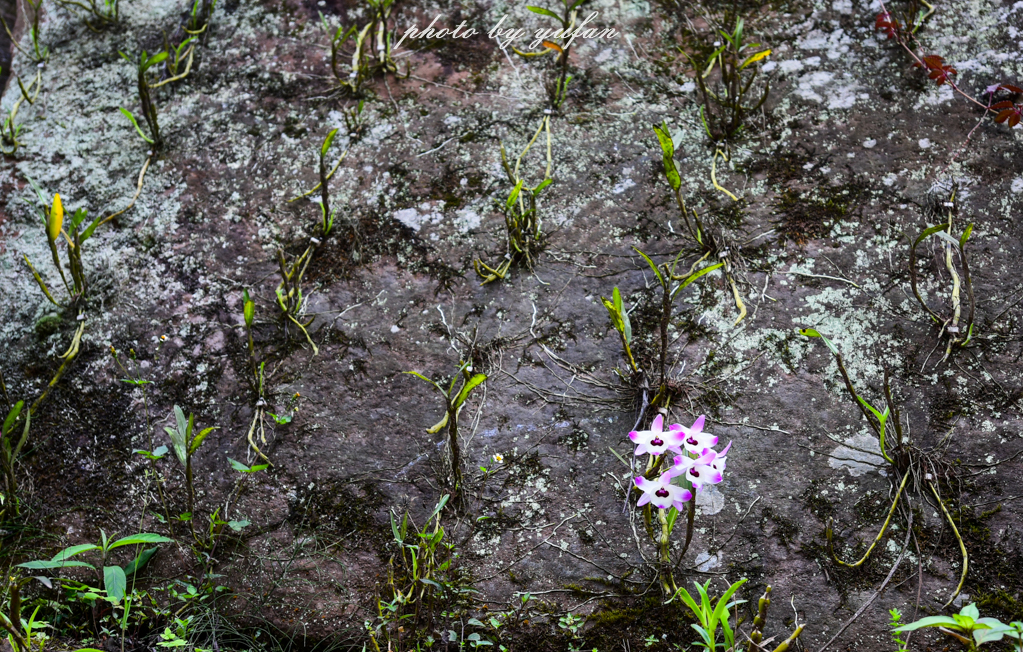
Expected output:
(185, 442)
(572, 625)
(710, 616)
(969, 628)
(556, 84)
(98, 14)
(373, 48)
(417, 577)
(904, 461)
(454, 402)
(895, 622)
(200, 16)
(725, 79)
(289, 292)
(523, 226)
(707, 245)
(142, 66)
(957, 331)
(53, 224)
(33, 10)
(671, 284)
(10, 129)
(111, 577)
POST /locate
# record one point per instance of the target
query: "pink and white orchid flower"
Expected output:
(706, 469)
(661, 493)
(657, 441)
(696, 440)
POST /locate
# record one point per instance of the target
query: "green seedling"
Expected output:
(725, 79)
(142, 66)
(895, 622)
(707, 245)
(178, 55)
(953, 328)
(620, 321)
(373, 49)
(454, 402)
(710, 615)
(523, 226)
(98, 14)
(185, 442)
(155, 453)
(354, 123)
(289, 292)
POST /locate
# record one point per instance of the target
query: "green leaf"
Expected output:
(929, 621)
(657, 272)
(327, 141)
(966, 235)
(12, 416)
(616, 296)
(128, 115)
(114, 582)
(544, 12)
(419, 375)
(47, 565)
(140, 560)
(197, 442)
(514, 195)
(241, 468)
(695, 275)
(250, 308)
(468, 387)
(668, 154)
(67, 553)
(930, 231)
(809, 332)
(238, 525)
(543, 184)
(440, 505)
(145, 537)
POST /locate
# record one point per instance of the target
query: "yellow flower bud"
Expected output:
(56, 221)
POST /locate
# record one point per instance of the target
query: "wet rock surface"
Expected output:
(854, 154)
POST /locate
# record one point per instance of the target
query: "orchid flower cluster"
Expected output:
(692, 463)
(697, 462)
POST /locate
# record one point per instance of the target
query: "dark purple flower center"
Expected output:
(662, 493)
(657, 441)
(694, 473)
(692, 442)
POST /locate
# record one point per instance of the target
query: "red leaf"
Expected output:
(1014, 120)
(1003, 116)
(933, 61)
(1011, 88)
(1004, 104)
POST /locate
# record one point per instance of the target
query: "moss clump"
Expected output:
(47, 325)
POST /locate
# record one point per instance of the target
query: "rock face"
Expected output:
(852, 156)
